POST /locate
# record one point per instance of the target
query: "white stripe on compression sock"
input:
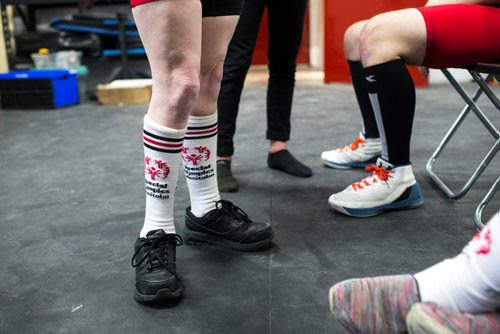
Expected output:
(380, 125)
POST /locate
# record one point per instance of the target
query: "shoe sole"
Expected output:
(161, 295)
(348, 165)
(420, 322)
(197, 238)
(416, 200)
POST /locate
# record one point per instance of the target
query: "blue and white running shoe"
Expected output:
(387, 188)
(360, 153)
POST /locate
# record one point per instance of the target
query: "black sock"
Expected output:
(285, 162)
(359, 84)
(392, 94)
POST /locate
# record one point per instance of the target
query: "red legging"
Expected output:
(460, 35)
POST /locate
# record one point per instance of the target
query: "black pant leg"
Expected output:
(286, 23)
(236, 64)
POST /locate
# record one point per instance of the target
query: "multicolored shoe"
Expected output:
(387, 188)
(429, 318)
(360, 153)
(374, 304)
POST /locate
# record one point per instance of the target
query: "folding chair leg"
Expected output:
(471, 105)
(479, 210)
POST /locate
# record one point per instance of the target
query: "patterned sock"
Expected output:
(470, 282)
(162, 159)
(425, 318)
(199, 157)
(374, 305)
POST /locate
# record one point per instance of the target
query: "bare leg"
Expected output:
(365, 149)
(352, 41)
(387, 43)
(202, 124)
(170, 31)
(217, 33)
(277, 145)
(395, 35)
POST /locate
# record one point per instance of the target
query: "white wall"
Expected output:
(437, 77)
(316, 33)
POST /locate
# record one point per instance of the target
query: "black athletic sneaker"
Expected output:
(155, 273)
(228, 226)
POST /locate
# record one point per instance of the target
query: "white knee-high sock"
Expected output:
(199, 156)
(162, 160)
(470, 282)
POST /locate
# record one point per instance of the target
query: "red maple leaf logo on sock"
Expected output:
(484, 241)
(153, 172)
(164, 167)
(147, 160)
(195, 154)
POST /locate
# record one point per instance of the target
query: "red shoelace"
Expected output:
(378, 173)
(354, 145)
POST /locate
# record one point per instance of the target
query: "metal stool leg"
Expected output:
(471, 105)
(479, 210)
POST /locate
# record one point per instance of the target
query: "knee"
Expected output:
(352, 41)
(180, 80)
(212, 72)
(183, 89)
(375, 41)
(211, 77)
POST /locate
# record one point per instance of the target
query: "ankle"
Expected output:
(277, 145)
(224, 158)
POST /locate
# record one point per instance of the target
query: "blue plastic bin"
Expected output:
(38, 89)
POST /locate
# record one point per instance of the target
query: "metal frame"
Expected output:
(478, 221)
(37, 3)
(470, 105)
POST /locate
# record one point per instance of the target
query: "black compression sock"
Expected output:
(285, 162)
(392, 94)
(359, 84)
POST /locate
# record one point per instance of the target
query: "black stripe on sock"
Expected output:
(201, 137)
(163, 138)
(202, 127)
(161, 149)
